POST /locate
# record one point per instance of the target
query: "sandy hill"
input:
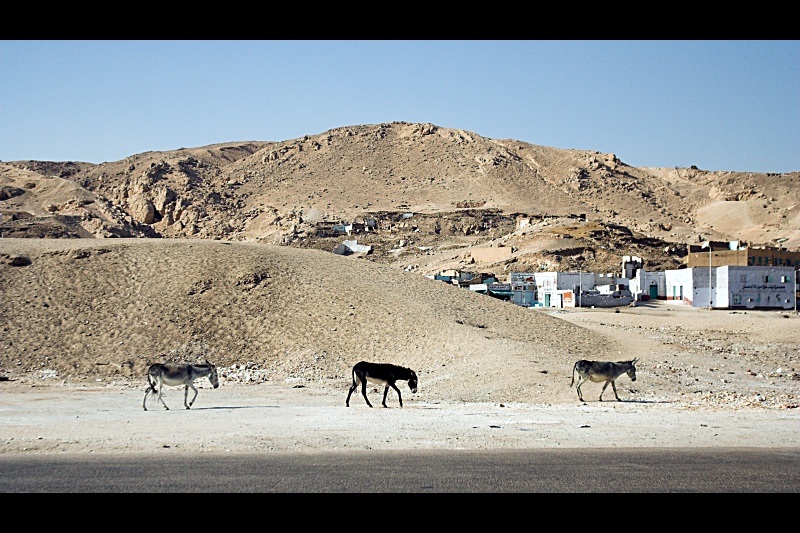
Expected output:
(101, 310)
(81, 308)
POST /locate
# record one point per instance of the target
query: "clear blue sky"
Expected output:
(721, 105)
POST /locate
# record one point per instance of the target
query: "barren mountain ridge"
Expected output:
(580, 209)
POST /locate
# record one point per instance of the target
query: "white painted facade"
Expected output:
(581, 289)
(689, 285)
(733, 287)
(755, 287)
(568, 289)
(653, 285)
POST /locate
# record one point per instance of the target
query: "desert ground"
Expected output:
(705, 378)
(108, 419)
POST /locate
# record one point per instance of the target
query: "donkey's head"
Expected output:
(632, 370)
(212, 376)
(413, 381)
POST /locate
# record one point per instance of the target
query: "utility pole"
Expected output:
(710, 301)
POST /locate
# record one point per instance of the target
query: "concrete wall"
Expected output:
(493, 254)
(718, 258)
(755, 287)
(680, 286)
(733, 287)
(557, 298)
(615, 299)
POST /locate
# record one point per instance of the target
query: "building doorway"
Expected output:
(653, 292)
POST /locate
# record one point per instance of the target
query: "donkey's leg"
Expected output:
(605, 386)
(189, 385)
(364, 391)
(160, 392)
(385, 392)
(614, 386)
(150, 391)
(580, 382)
(399, 396)
(352, 389)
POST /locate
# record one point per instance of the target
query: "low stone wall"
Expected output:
(604, 300)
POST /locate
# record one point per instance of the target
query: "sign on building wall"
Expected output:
(569, 299)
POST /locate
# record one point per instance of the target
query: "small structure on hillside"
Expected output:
(352, 247)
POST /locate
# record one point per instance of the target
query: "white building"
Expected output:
(733, 287)
(688, 285)
(646, 285)
(569, 289)
(558, 289)
(755, 287)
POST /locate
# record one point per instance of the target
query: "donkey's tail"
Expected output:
(151, 389)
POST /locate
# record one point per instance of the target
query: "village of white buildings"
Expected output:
(718, 275)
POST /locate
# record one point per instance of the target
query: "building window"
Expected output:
(767, 279)
(759, 259)
(784, 279)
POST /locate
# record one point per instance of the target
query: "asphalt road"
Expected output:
(633, 470)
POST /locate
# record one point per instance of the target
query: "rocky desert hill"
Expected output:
(225, 251)
(438, 197)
